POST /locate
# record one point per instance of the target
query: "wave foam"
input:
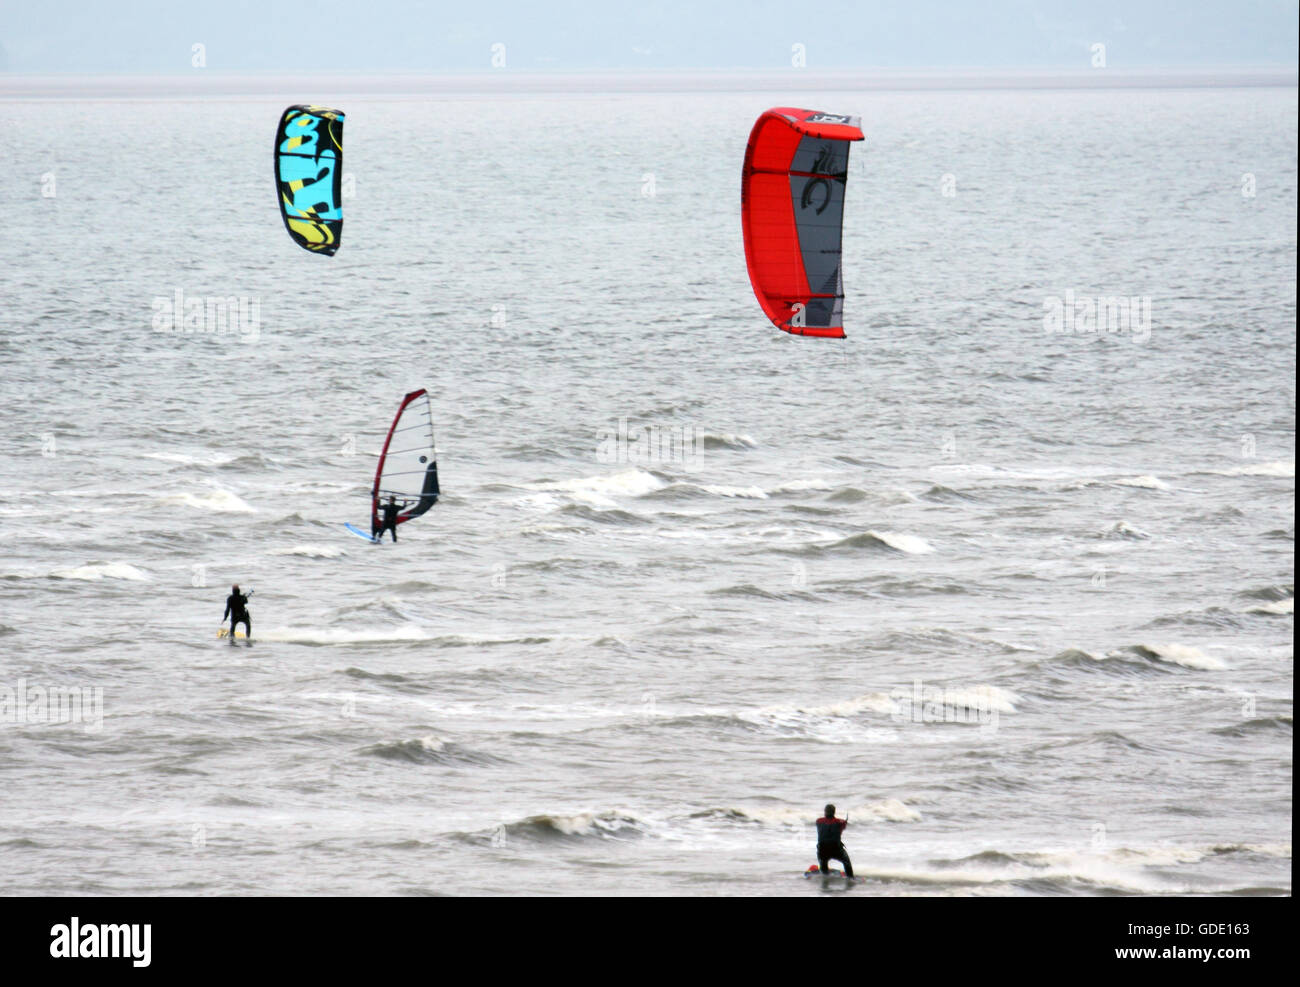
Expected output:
(1122, 529)
(207, 459)
(1278, 607)
(720, 490)
(102, 570)
(1181, 654)
(218, 500)
(311, 551)
(337, 635)
(578, 826)
(599, 491)
(908, 544)
(794, 486)
(1278, 468)
(1144, 482)
(726, 440)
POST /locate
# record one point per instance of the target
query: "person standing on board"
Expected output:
(237, 611)
(389, 521)
(830, 842)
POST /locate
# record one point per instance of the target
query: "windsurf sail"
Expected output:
(309, 176)
(792, 209)
(408, 463)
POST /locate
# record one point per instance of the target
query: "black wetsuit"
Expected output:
(237, 611)
(830, 845)
(389, 520)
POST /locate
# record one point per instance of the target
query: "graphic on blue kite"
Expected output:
(309, 176)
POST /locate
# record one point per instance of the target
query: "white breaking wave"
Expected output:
(206, 459)
(1282, 850)
(1123, 529)
(586, 823)
(599, 491)
(102, 570)
(731, 439)
(970, 469)
(890, 810)
(755, 493)
(1185, 655)
(472, 639)
(1145, 482)
(1281, 468)
(218, 500)
(1090, 655)
(911, 544)
(311, 551)
(539, 501)
(338, 635)
(432, 744)
(583, 822)
(989, 697)
(1280, 607)
(1117, 869)
(795, 485)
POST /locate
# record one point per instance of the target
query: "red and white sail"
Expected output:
(408, 463)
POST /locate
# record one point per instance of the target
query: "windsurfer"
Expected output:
(388, 522)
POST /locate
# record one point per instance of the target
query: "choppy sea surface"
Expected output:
(1018, 599)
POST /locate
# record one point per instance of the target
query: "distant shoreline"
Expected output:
(205, 83)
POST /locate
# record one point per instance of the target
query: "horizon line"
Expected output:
(208, 82)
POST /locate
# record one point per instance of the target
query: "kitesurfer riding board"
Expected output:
(830, 844)
(237, 611)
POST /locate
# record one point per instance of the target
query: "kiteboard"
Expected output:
(361, 534)
(834, 872)
(225, 633)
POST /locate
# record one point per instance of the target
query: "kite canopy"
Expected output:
(792, 208)
(408, 463)
(309, 176)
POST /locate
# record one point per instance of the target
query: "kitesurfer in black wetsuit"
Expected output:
(830, 845)
(389, 520)
(237, 611)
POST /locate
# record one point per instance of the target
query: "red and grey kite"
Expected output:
(792, 207)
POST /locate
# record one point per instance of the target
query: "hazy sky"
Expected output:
(156, 36)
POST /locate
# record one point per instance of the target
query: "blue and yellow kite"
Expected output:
(309, 176)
